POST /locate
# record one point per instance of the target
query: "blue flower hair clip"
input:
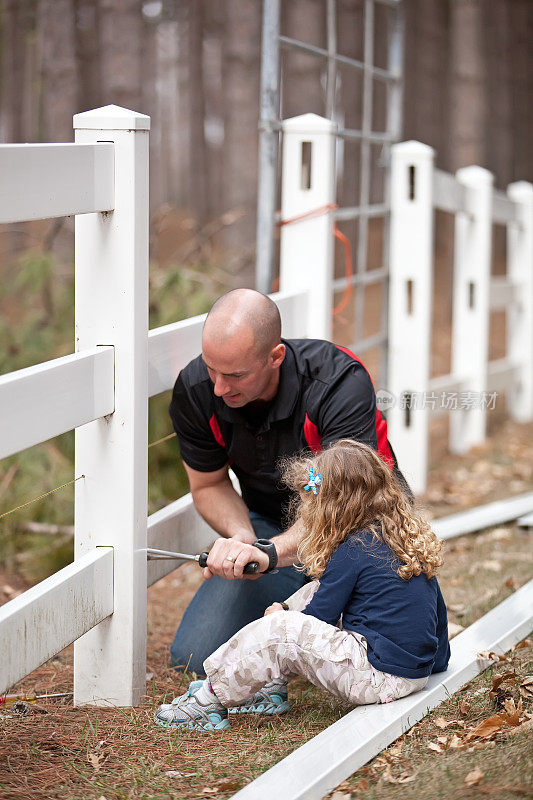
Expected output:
(314, 481)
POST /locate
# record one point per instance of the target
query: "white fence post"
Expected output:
(410, 300)
(307, 245)
(111, 502)
(520, 317)
(471, 308)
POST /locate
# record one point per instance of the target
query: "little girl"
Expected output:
(373, 561)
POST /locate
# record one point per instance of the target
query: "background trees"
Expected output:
(193, 65)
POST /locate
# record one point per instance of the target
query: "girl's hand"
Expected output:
(273, 608)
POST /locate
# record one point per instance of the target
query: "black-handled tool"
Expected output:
(252, 568)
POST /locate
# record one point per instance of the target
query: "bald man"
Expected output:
(250, 399)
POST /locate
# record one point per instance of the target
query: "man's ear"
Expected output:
(277, 355)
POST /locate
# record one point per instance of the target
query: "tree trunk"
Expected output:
(58, 69)
(242, 34)
(121, 50)
(89, 66)
(468, 102)
(197, 154)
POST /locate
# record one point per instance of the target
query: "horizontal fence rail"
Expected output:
(179, 528)
(449, 194)
(49, 616)
(171, 347)
(504, 210)
(79, 179)
(54, 397)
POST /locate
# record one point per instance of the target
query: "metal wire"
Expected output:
(270, 126)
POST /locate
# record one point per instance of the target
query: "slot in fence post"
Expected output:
(111, 256)
(306, 255)
(520, 315)
(471, 308)
(410, 300)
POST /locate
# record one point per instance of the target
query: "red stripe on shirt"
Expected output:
(213, 423)
(312, 436)
(381, 424)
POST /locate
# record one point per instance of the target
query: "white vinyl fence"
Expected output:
(417, 188)
(102, 391)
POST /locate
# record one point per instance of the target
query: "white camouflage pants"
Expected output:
(288, 643)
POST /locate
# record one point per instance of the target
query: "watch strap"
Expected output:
(269, 548)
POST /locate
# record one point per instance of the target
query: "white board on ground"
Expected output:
(475, 519)
(329, 758)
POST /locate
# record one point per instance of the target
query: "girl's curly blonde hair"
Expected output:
(358, 491)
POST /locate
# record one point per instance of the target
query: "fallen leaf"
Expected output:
(441, 723)
(491, 565)
(526, 687)
(488, 727)
(510, 707)
(228, 785)
(522, 644)
(490, 655)
(96, 760)
(455, 742)
(173, 773)
(512, 583)
(396, 749)
(404, 777)
(435, 747)
(464, 707)
(340, 795)
(497, 680)
(474, 777)
(442, 739)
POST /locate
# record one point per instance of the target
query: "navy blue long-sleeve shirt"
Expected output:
(404, 622)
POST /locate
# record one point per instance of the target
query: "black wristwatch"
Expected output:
(269, 548)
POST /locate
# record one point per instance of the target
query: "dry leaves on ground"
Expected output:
(474, 777)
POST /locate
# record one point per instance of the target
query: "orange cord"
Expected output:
(345, 299)
(316, 212)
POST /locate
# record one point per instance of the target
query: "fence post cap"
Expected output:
(413, 148)
(475, 174)
(111, 118)
(309, 123)
(520, 190)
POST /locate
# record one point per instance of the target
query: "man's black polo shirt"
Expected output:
(324, 394)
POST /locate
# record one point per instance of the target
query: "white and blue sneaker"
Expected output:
(198, 708)
(270, 700)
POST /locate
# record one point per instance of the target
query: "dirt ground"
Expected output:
(66, 753)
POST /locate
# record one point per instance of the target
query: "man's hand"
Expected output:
(273, 608)
(228, 558)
